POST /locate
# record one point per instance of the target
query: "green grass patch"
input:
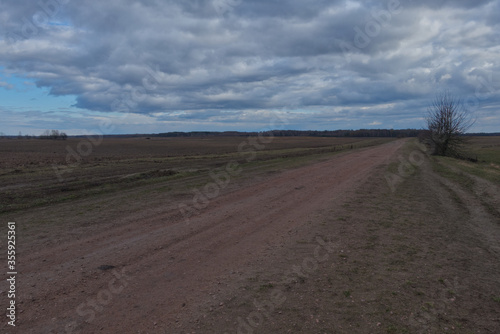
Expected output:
(441, 166)
(265, 287)
(487, 152)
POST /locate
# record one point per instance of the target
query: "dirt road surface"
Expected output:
(148, 273)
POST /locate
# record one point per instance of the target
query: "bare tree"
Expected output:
(448, 120)
(53, 134)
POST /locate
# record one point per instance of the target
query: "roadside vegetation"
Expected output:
(448, 120)
(486, 151)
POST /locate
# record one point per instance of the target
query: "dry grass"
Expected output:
(42, 172)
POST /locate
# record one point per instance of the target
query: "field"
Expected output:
(238, 235)
(486, 151)
(40, 172)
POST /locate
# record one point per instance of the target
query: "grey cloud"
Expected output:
(255, 55)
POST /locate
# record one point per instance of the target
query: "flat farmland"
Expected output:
(37, 172)
(233, 235)
(22, 153)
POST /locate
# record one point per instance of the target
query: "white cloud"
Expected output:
(170, 57)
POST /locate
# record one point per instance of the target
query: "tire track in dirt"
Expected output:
(172, 264)
(483, 222)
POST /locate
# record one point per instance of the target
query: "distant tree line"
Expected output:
(54, 135)
(206, 134)
(423, 134)
(349, 133)
(19, 136)
(299, 133)
(483, 134)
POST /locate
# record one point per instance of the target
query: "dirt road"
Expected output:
(148, 273)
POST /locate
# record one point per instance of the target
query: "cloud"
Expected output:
(196, 61)
(6, 85)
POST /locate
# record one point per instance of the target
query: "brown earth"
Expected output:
(46, 172)
(324, 248)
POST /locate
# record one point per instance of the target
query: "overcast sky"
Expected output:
(125, 66)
